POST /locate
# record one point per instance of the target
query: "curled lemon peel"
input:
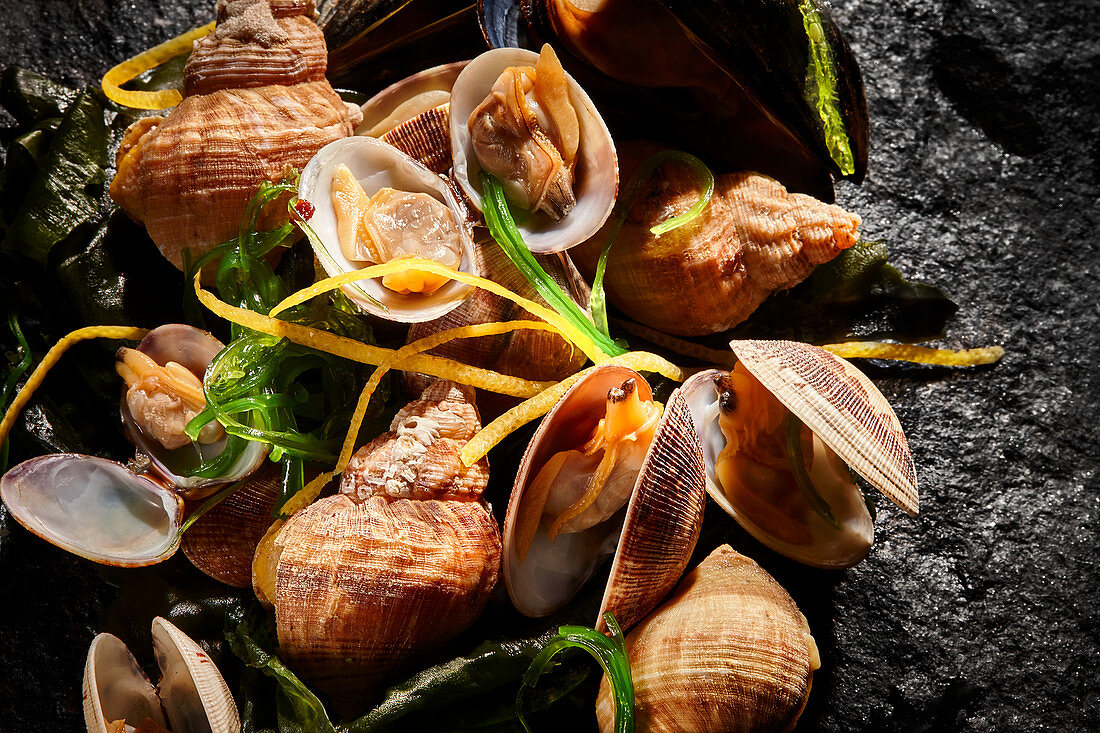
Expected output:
(489, 436)
(361, 353)
(131, 68)
(916, 354)
(51, 358)
(678, 345)
(308, 494)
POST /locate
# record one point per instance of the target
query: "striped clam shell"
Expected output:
(842, 407)
(661, 522)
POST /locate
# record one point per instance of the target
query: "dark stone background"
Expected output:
(983, 613)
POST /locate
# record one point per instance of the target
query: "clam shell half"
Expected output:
(94, 508)
(192, 691)
(376, 165)
(652, 536)
(596, 177)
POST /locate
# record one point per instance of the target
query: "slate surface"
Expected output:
(983, 613)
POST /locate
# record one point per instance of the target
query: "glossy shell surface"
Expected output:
(94, 508)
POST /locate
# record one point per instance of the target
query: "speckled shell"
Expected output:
(535, 355)
(728, 652)
(662, 518)
(251, 110)
(842, 407)
(223, 541)
(366, 587)
(753, 239)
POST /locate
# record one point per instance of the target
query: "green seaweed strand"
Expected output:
(821, 92)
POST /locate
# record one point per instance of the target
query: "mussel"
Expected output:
(375, 204)
(728, 652)
(777, 433)
(255, 101)
(604, 474)
(403, 559)
(766, 85)
(191, 694)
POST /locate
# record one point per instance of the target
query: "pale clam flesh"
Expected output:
(851, 423)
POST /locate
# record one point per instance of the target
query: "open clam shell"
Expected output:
(652, 536)
(94, 508)
(413, 115)
(846, 412)
(376, 165)
(193, 349)
(191, 692)
(596, 177)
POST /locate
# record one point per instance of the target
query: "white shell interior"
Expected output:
(193, 349)
(831, 548)
(596, 177)
(94, 508)
(115, 687)
(194, 693)
(377, 165)
(553, 572)
(405, 99)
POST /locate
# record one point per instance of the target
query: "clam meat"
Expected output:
(607, 473)
(779, 432)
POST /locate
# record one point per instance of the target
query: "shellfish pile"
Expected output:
(403, 219)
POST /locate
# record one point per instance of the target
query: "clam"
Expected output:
(567, 172)
(747, 422)
(534, 355)
(413, 115)
(192, 694)
(407, 198)
(604, 474)
(154, 410)
(396, 565)
(94, 508)
(255, 101)
(767, 85)
(728, 651)
(753, 238)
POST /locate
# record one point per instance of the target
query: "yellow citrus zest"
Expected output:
(131, 68)
(916, 354)
(53, 356)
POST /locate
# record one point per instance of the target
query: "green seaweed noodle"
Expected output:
(821, 92)
(802, 476)
(609, 652)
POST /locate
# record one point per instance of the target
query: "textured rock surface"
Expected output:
(983, 613)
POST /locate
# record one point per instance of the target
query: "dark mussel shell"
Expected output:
(761, 45)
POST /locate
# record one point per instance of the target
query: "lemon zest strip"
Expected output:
(131, 68)
(51, 358)
(357, 351)
(489, 436)
(309, 493)
(916, 354)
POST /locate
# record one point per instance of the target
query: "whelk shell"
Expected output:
(753, 238)
(846, 412)
(398, 563)
(728, 651)
(652, 535)
(191, 691)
